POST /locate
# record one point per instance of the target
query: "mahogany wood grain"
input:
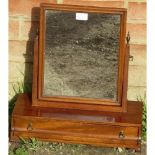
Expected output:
(77, 140)
(77, 126)
(132, 116)
(74, 102)
(35, 71)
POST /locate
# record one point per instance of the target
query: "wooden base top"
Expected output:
(133, 116)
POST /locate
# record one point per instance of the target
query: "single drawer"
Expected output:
(78, 128)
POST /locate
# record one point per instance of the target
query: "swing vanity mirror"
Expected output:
(81, 58)
(80, 72)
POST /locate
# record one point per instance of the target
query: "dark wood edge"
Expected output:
(35, 72)
(41, 52)
(125, 82)
(80, 106)
(122, 53)
(83, 8)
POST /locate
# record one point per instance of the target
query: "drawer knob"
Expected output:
(29, 127)
(121, 135)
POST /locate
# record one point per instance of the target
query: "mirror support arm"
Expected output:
(128, 44)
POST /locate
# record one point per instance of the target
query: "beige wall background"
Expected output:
(23, 22)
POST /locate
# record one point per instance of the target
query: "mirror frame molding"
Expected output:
(76, 102)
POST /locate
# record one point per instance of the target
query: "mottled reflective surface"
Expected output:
(81, 57)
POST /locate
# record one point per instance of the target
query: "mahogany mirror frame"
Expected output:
(75, 102)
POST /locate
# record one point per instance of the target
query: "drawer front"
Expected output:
(76, 128)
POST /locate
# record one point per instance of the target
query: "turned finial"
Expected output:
(128, 38)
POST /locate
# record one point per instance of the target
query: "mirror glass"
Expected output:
(81, 55)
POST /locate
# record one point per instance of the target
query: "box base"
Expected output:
(110, 129)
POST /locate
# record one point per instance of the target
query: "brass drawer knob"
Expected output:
(29, 127)
(121, 135)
